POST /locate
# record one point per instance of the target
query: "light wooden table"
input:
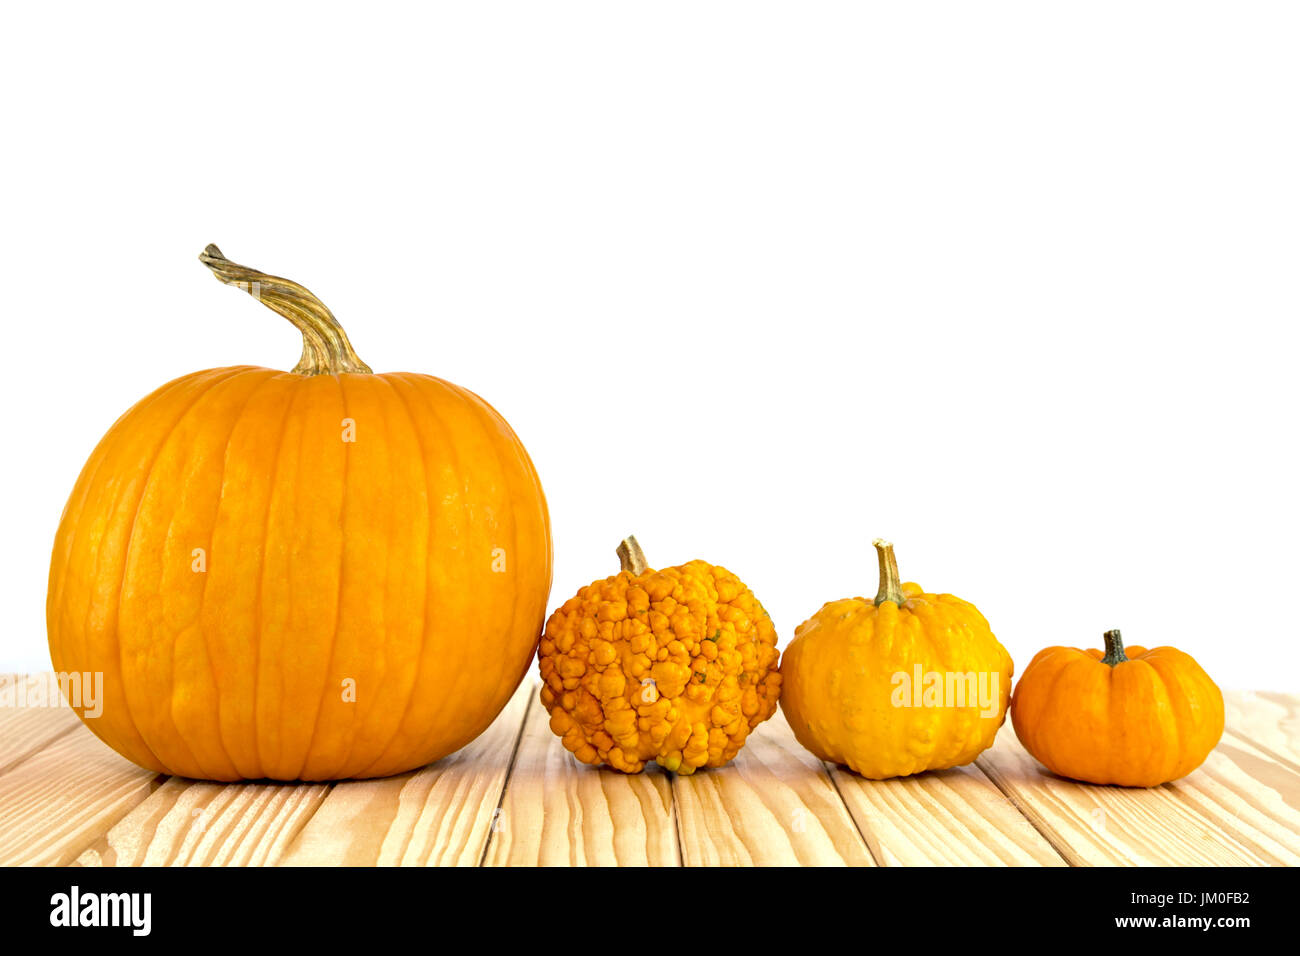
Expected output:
(515, 796)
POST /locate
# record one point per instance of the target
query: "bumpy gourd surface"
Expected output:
(1144, 722)
(675, 666)
(838, 690)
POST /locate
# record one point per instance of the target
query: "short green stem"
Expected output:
(1114, 649)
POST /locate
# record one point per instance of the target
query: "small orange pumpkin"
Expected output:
(1138, 718)
(311, 575)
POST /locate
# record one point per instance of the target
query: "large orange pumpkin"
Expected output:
(318, 574)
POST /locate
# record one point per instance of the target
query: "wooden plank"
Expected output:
(1269, 721)
(1248, 796)
(954, 817)
(60, 799)
(26, 730)
(191, 823)
(559, 812)
(774, 805)
(1114, 826)
(440, 815)
(64, 796)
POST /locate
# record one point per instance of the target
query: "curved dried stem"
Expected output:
(325, 346)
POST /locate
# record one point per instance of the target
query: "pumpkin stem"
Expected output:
(325, 346)
(891, 586)
(631, 557)
(1114, 649)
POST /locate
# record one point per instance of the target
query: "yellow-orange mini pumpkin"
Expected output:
(675, 666)
(1138, 718)
(908, 682)
(317, 574)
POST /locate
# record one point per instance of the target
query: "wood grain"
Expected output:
(1115, 826)
(1251, 798)
(65, 796)
(440, 815)
(25, 730)
(516, 797)
(559, 812)
(1268, 721)
(189, 823)
(774, 805)
(954, 817)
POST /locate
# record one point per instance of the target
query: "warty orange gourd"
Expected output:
(674, 666)
(316, 574)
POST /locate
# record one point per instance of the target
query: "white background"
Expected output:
(1012, 284)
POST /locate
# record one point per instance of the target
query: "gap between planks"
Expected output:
(775, 804)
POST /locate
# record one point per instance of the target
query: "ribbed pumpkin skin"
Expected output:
(327, 560)
(1144, 722)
